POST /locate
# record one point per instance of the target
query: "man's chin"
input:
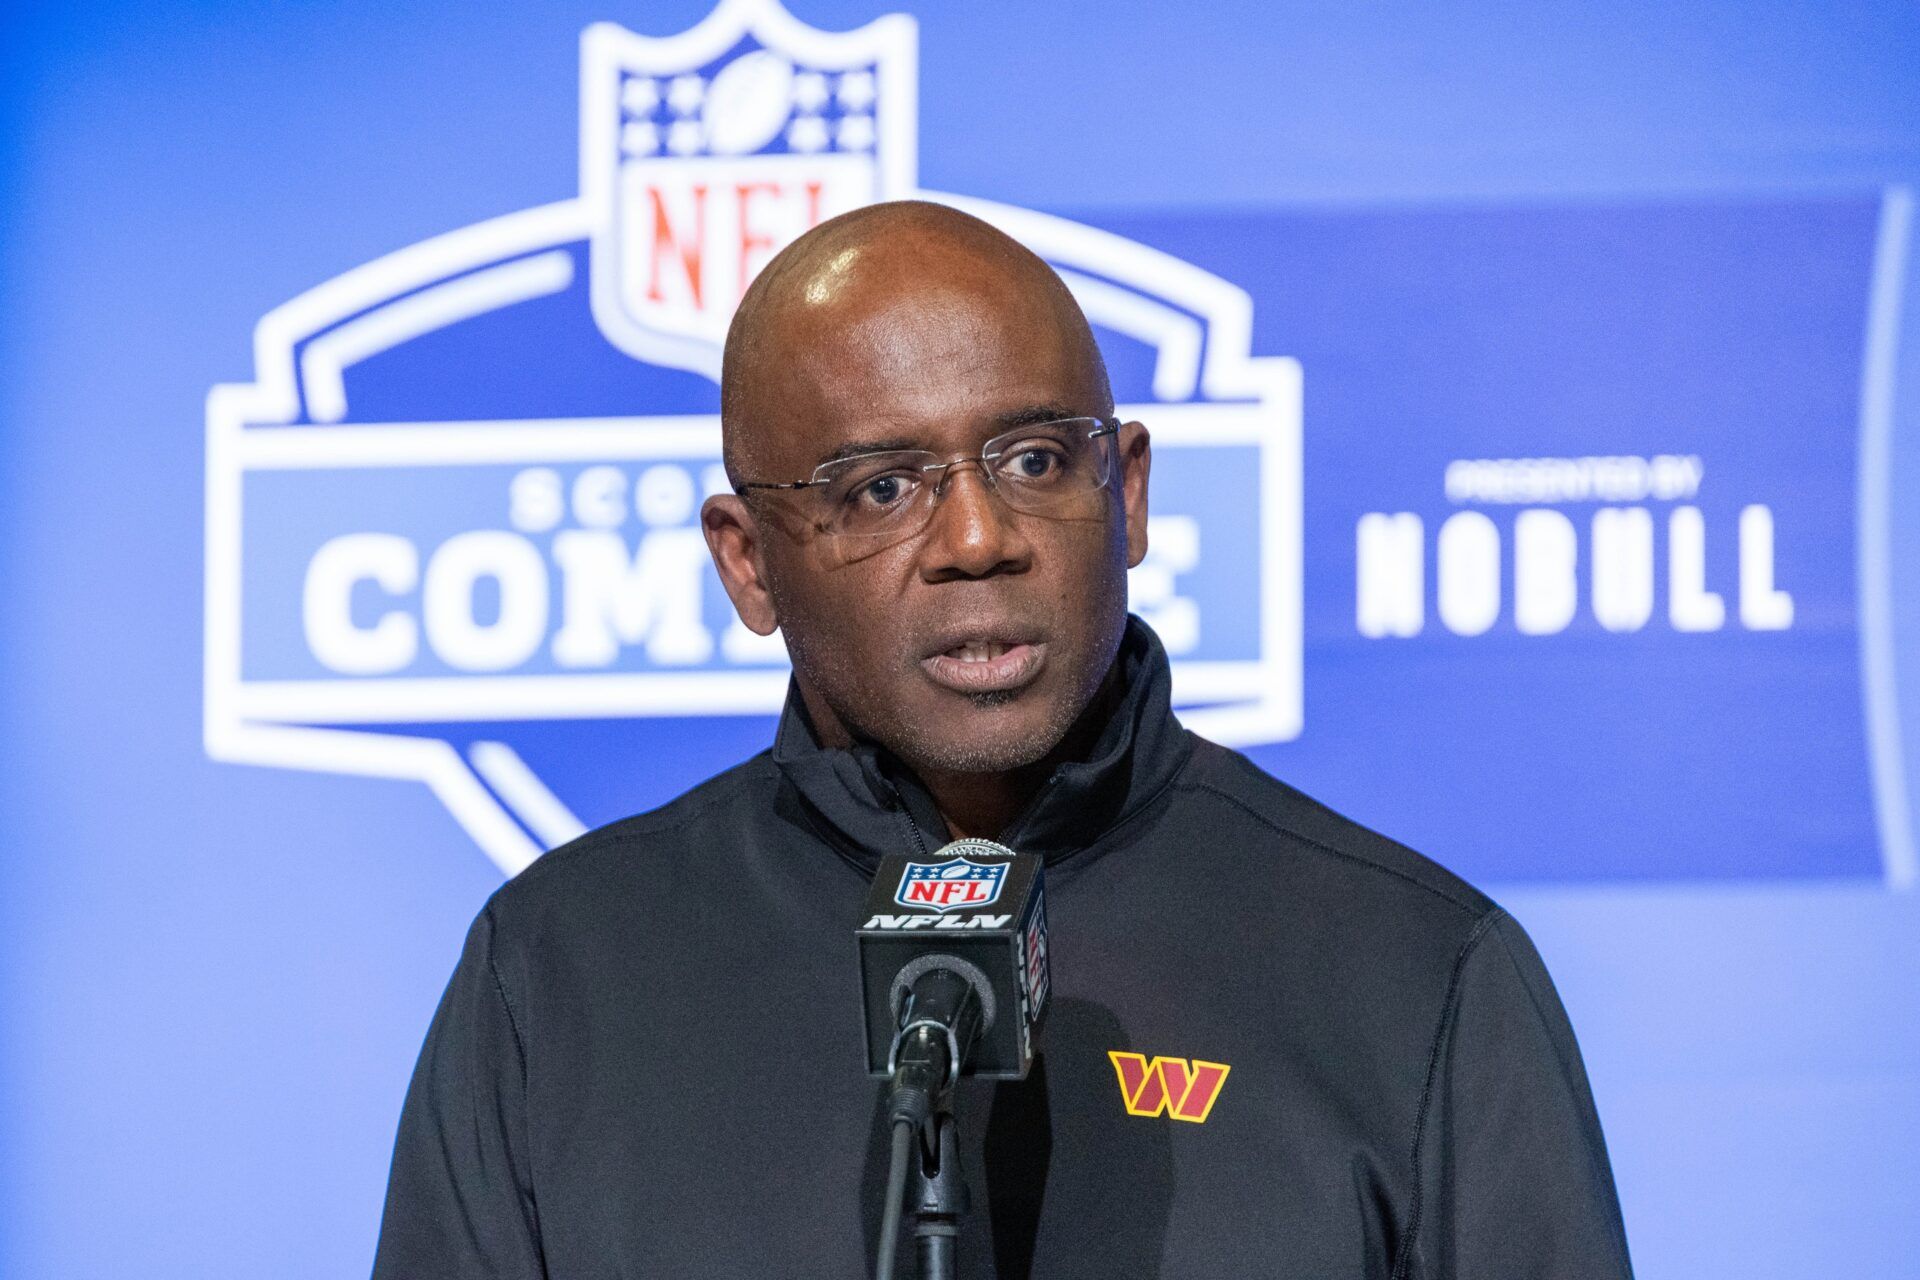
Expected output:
(992, 699)
(1010, 738)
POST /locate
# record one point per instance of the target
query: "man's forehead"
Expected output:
(907, 325)
(856, 393)
(931, 366)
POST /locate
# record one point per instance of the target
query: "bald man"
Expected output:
(649, 1061)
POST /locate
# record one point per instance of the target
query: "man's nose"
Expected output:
(974, 534)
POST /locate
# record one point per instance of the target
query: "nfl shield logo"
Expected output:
(958, 884)
(448, 540)
(705, 153)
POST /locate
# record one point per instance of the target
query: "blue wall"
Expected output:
(214, 978)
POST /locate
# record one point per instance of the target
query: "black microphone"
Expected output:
(953, 962)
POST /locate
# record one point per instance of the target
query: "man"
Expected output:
(649, 1061)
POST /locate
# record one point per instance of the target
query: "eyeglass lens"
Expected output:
(1041, 469)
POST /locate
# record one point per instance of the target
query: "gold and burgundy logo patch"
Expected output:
(1184, 1089)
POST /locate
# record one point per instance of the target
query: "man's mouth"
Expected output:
(985, 665)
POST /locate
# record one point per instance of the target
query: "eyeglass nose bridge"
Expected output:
(937, 491)
(946, 470)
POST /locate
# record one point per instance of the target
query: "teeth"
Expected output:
(977, 651)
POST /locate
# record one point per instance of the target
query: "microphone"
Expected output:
(953, 964)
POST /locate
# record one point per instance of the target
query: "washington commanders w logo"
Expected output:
(1183, 1089)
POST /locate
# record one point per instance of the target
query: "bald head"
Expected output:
(866, 295)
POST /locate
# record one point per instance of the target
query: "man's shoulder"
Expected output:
(1326, 845)
(700, 817)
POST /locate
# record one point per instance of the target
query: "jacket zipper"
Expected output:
(913, 828)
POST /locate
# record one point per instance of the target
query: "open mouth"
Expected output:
(985, 665)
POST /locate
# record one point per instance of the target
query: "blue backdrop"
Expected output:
(1537, 480)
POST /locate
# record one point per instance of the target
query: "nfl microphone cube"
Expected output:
(981, 903)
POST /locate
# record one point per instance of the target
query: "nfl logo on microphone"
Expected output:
(958, 884)
(453, 524)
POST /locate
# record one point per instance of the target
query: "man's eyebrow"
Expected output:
(1029, 415)
(854, 448)
(1012, 419)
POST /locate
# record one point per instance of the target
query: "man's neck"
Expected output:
(986, 804)
(983, 804)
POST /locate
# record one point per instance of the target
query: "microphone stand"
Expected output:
(941, 1016)
(938, 1194)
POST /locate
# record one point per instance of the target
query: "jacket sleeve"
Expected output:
(460, 1194)
(1514, 1182)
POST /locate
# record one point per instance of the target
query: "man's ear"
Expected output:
(1136, 459)
(733, 538)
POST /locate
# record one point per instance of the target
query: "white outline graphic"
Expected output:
(324, 362)
(524, 793)
(1886, 757)
(1198, 325)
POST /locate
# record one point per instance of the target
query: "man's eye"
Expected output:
(881, 491)
(1034, 463)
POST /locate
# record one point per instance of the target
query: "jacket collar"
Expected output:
(868, 804)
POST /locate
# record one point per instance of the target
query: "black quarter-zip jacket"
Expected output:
(649, 1061)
